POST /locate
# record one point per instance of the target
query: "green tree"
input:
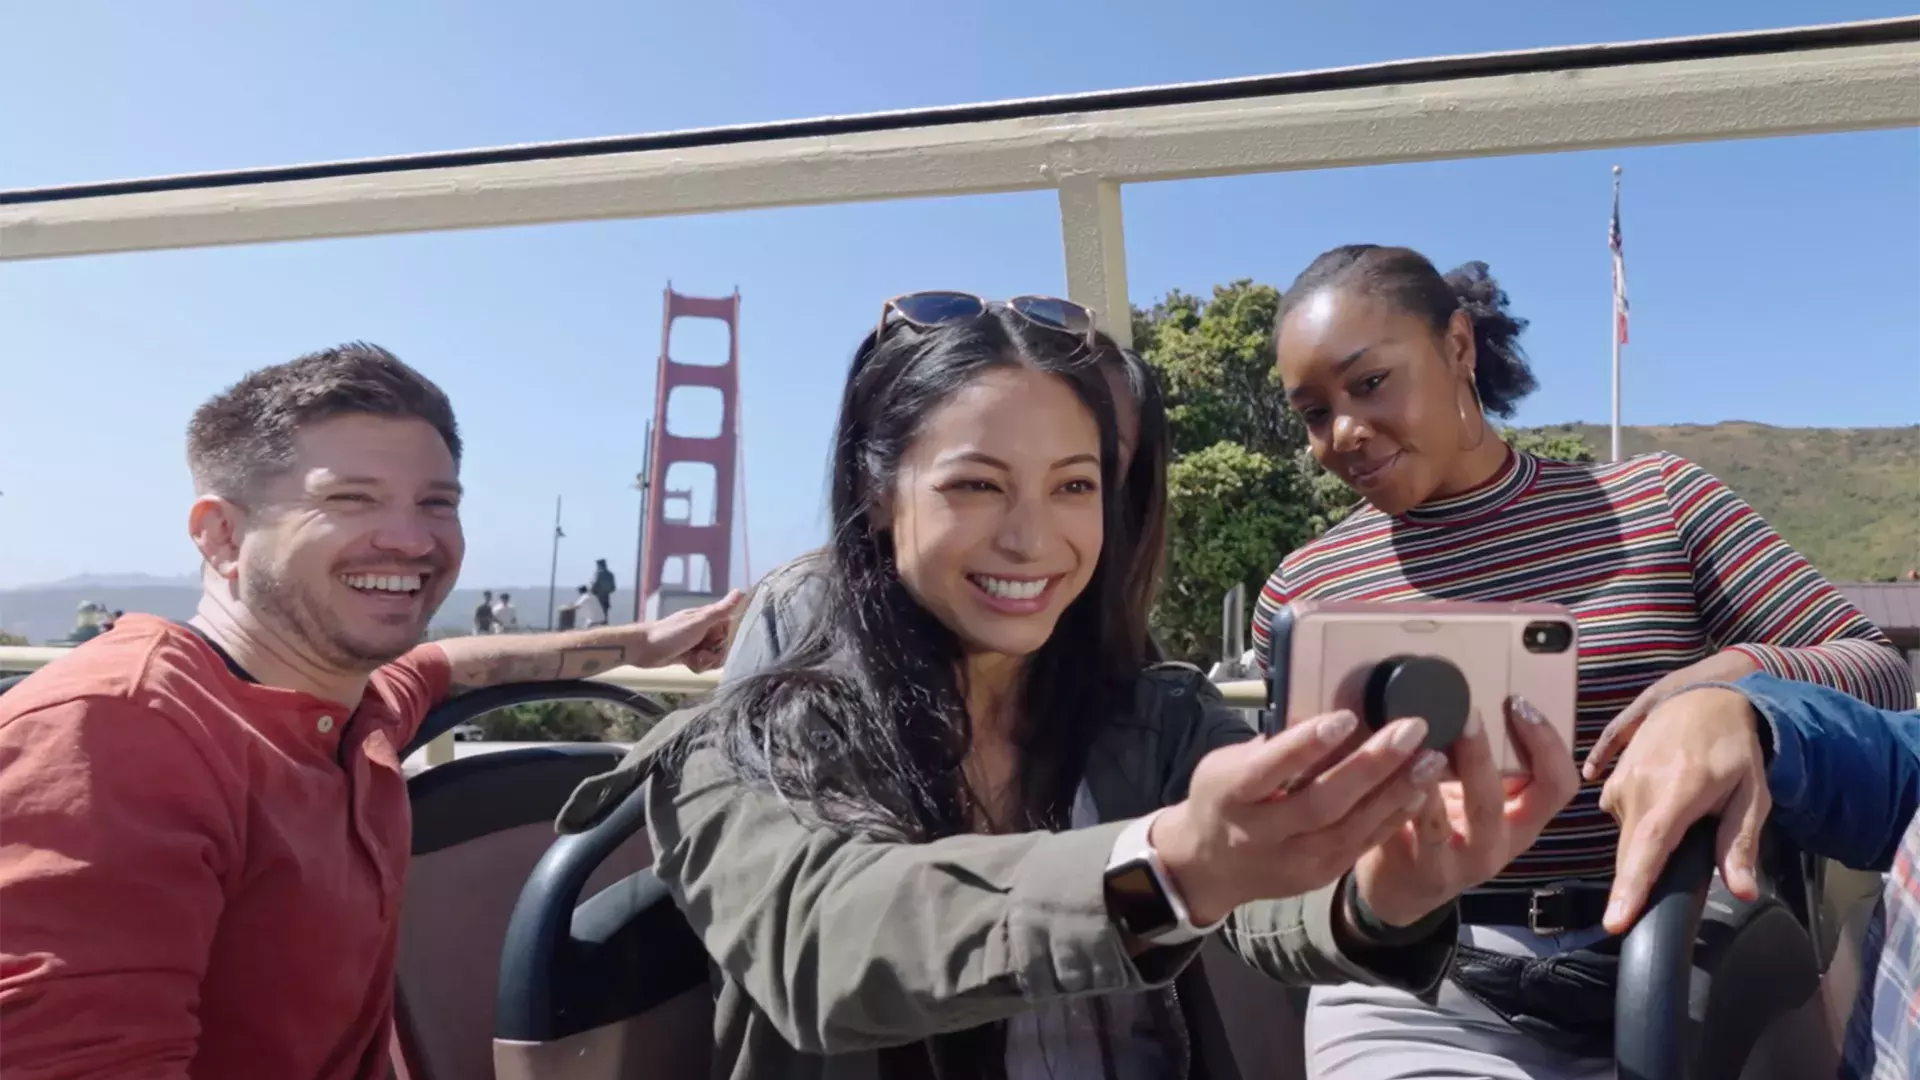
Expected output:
(1242, 491)
(1556, 445)
(1231, 513)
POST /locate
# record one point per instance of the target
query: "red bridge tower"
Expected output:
(687, 562)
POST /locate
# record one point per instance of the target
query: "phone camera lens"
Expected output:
(1547, 637)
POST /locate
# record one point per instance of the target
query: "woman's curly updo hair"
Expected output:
(1404, 278)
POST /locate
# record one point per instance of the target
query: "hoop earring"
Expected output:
(1480, 411)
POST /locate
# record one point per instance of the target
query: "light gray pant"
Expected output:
(1356, 1032)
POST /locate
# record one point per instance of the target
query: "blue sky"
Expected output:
(1772, 281)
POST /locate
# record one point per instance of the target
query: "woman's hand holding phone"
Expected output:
(1472, 830)
(1271, 818)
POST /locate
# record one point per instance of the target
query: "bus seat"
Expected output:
(615, 988)
(1845, 975)
(480, 825)
(1704, 973)
(1263, 1020)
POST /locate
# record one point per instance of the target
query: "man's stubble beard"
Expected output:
(303, 615)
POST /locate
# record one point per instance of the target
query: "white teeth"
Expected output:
(396, 583)
(1007, 589)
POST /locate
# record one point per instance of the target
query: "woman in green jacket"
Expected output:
(961, 828)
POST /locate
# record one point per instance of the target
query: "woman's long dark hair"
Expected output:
(1144, 496)
(863, 722)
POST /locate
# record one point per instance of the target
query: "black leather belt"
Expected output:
(1552, 909)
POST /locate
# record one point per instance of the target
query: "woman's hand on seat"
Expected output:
(1446, 850)
(1696, 754)
(1264, 820)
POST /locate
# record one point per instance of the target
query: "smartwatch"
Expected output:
(1140, 893)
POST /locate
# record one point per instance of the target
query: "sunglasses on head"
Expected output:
(926, 310)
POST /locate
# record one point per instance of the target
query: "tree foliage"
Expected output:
(1242, 491)
(1232, 511)
(1557, 446)
(563, 721)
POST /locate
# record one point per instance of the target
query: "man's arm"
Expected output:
(116, 837)
(692, 637)
(1844, 775)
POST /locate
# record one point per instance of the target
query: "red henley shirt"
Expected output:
(200, 876)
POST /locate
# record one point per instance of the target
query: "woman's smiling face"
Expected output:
(1380, 393)
(996, 511)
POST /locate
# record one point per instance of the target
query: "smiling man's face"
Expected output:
(351, 550)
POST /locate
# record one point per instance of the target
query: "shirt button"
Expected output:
(326, 724)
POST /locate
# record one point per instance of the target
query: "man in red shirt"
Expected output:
(206, 826)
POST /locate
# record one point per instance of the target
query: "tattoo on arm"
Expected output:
(578, 662)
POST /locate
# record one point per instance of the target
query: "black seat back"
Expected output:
(480, 825)
(1704, 974)
(616, 988)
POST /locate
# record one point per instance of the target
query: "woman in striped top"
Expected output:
(1673, 579)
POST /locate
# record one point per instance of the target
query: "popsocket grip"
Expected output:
(1424, 686)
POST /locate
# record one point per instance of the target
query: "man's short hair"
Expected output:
(244, 435)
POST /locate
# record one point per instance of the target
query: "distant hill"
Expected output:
(1847, 498)
(42, 613)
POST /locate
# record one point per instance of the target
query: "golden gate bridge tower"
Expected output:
(686, 558)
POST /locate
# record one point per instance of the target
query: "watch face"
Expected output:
(1133, 892)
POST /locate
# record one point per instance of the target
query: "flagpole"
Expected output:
(1614, 323)
(553, 573)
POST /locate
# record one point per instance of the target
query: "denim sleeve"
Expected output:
(1845, 775)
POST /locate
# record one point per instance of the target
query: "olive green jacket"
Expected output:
(831, 946)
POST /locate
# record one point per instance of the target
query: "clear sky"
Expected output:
(1773, 281)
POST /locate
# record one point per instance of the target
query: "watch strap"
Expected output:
(1134, 843)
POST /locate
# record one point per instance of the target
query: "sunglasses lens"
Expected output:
(936, 308)
(1055, 312)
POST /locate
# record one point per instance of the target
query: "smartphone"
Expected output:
(1438, 660)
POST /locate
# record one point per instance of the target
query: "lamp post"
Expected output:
(553, 574)
(641, 483)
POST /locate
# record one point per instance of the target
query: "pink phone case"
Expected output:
(1323, 653)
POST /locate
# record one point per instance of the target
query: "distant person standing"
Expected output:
(86, 622)
(505, 619)
(483, 615)
(586, 609)
(603, 588)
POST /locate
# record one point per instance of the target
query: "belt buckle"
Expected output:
(1537, 920)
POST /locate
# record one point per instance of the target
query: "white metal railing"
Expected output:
(1853, 76)
(1242, 693)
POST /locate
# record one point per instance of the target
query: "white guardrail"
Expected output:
(1240, 693)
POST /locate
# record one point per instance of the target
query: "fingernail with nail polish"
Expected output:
(1408, 734)
(1428, 767)
(1528, 713)
(1336, 726)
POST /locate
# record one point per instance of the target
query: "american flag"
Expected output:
(1619, 266)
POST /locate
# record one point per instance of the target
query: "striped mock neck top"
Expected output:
(1662, 566)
